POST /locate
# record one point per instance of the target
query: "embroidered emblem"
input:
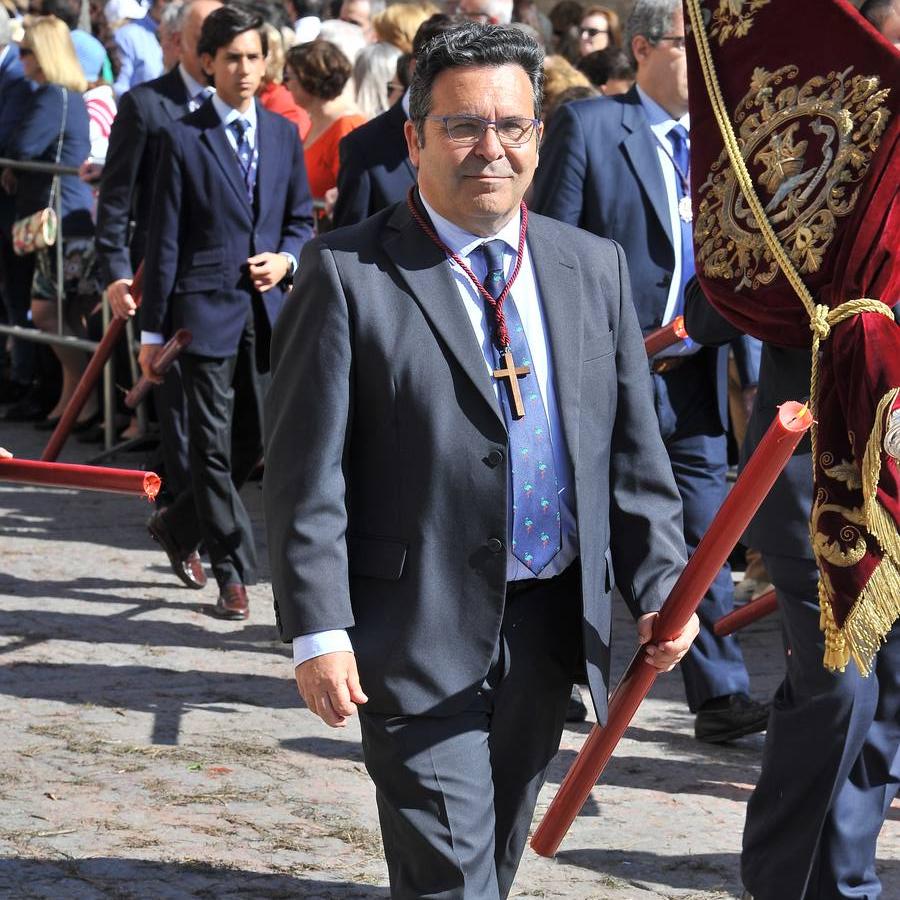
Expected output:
(837, 119)
(851, 546)
(734, 18)
(892, 437)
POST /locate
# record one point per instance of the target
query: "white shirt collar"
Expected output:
(3, 52)
(463, 243)
(660, 120)
(404, 102)
(228, 114)
(193, 86)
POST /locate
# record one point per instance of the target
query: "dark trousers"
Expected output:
(697, 448)
(456, 794)
(16, 273)
(172, 416)
(831, 763)
(225, 428)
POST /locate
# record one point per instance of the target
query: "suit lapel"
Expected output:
(268, 153)
(640, 146)
(216, 140)
(426, 271)
(561, 292)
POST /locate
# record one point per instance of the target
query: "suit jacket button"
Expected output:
(495, 545)
(494, 458)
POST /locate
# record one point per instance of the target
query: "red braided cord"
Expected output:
(500, 333)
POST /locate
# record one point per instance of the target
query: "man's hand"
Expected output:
(665, 655)
(329, 685)
(146, 358)
(120, 300)
(4, 453)
(90, 172)
(267, 270)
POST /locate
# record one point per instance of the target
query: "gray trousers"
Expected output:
(456, 794)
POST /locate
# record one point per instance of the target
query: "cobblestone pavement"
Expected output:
(152, 751)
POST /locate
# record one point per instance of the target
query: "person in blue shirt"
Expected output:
(137, 47)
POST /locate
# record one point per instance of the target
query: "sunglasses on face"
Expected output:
(25, 51)
(394, 86)
(593, 32)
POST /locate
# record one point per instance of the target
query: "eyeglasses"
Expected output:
(25, 51)
(394, 86)
(678, 40)
(593, 32)
(513, 131)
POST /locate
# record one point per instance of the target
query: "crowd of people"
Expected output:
(212, 141)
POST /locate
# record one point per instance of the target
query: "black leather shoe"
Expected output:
(185, 564)
(577, 711)
(727, 718)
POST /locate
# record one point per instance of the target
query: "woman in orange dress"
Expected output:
(318, 77)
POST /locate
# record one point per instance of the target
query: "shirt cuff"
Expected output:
(292, 260)
(151, 337)
(318, 643)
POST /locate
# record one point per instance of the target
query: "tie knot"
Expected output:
(493, 255)
(240, 127)
(202, 96)
(678, 135)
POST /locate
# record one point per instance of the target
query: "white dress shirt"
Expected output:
(193, 87)
(661, 123)
(526, 296)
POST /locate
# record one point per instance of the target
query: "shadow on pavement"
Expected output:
(164, 693)
(697, 872)
(107, 877)
(325, 747)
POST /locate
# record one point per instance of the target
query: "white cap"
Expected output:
(117, 10)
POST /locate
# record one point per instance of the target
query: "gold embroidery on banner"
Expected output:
(836, 122)
(850, 547)
(734, 18)
(846, 472)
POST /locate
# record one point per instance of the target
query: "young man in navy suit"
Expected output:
(231, 212)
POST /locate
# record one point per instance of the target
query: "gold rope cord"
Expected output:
(860, 637)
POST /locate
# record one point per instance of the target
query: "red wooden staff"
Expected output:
(762, 606)
(667, 336)
(739, 507)
(85, 478)
(91, 375)
(169, 353)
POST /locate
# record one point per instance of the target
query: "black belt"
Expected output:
(524, 584)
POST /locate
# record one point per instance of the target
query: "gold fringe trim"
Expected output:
(873, 615)
(879, 523)
(837, 653)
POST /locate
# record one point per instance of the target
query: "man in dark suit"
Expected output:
(618, 167)
(123, 215)
(831, 763)
(375, 170)
(231, 211)
(440, 531)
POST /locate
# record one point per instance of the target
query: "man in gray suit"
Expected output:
(448, 485)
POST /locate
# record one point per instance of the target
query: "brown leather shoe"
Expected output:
(232, 603)
(187, 566)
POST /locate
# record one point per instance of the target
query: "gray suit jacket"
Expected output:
(386, 483)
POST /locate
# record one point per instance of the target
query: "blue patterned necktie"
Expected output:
(246, 155)
(681, 156)
(199, 98)
(535, 494)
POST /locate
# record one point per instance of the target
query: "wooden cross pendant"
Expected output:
(512, 374)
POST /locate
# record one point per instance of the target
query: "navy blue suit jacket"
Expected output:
(203, 228)
(375, 171)
(126, 189)
(600, 170)
(15, 93)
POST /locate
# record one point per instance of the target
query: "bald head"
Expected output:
(193, 16)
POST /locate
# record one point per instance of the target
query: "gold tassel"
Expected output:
(837, 653)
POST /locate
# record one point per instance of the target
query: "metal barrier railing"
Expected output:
(59, 338)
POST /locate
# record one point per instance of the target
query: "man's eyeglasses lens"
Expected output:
(677, 40)
(511, 132)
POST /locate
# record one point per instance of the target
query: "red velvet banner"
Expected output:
(819, 136)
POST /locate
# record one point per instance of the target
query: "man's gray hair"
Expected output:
(471, 44)
(5, 29)
(652, 19)
(172, 18)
